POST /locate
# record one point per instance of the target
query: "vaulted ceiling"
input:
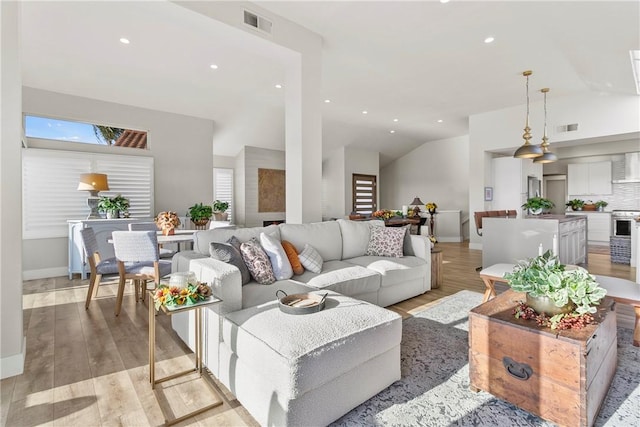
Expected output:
(423, 63)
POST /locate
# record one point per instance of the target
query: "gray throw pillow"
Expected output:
(227, 252)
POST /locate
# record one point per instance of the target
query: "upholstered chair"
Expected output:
(140, 248)
(98, 266)
(151, 226)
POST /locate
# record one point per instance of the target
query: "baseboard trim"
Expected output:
(449, 239)
(13, 365)
(475, 246)
(44, 273)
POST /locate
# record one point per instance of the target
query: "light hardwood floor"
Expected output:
(89, 368)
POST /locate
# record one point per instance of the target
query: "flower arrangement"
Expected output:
(174, 296)
(383, 214)
(167, 219)
(431, 206)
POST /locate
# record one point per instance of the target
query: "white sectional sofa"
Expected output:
(309, 369)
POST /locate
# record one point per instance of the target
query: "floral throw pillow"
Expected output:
(311, 259)
(386, 241)
(257, 262)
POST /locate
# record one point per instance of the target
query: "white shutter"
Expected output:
(223, 187)
(50, 181)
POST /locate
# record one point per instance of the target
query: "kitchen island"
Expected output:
(508, 240)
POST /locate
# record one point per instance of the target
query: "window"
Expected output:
(86, 133)
(223, 187)
(50, 181)
(365, 199)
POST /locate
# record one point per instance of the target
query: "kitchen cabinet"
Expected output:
(589, 178)
(509, 240)
(598, 226)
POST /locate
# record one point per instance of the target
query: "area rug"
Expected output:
(434, 389)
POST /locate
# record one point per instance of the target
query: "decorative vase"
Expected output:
(112, 214)
(220, 216)
(535, 211)
(546, 305)
(168, 231)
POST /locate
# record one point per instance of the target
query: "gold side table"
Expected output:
(198, 352)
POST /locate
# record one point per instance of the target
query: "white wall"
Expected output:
(436, 172)
(333, 188)
(181, 146)
(12, 341)
(596, 115)
(252, 159)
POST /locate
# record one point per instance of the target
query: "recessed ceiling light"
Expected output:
(365, 112)
(278, 86)
(124, 41)
(444, 1)
(489, 40)
(213, 66)
(440, 120)
(395, 120)
(392, 131)
(326, 101)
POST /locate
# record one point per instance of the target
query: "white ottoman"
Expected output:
(309, 369)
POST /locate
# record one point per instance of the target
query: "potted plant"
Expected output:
(536, 205)
(200, 214)
(219, 210)
(113, 206)
(575, 204)
(600, 205)
(570, 296)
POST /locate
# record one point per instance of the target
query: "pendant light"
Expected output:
(547, 156)
(527, 151)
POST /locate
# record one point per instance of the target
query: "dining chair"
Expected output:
(98, 266)
(151, 226)
(140, 248)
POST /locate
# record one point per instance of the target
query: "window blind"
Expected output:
(50, 179)
(223, 187)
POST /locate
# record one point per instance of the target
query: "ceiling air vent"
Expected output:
(568, 128)
(257, 22)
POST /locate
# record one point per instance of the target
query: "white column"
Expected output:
(303, 134)
(11, 324)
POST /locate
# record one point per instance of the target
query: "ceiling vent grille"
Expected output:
(567, 128)
(257, 22)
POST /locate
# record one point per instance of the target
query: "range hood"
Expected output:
(631, 169)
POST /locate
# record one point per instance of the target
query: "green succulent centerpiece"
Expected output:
(572, 294)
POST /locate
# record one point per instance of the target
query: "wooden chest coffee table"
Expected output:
(561, 376)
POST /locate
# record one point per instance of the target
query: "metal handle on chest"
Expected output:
(521, 371)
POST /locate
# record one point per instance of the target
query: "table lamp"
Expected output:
(416, 205)
(93, 183)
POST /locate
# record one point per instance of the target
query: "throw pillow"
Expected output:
(311, 259)
(386, 241)
(279, 261)
(229, 253)
(294, 259)
(257, 262)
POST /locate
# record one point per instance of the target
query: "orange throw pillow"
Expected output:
(292, 254)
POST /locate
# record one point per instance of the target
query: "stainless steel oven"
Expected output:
(622, 222)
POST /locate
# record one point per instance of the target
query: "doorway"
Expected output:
(555, 189)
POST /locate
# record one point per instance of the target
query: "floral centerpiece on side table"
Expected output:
(556, 297)
(383, 214)
(167, 222)
(174, 296)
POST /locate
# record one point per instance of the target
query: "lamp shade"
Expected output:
(416, 201)
(93, 182)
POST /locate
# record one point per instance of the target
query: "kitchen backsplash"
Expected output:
(625, 196)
